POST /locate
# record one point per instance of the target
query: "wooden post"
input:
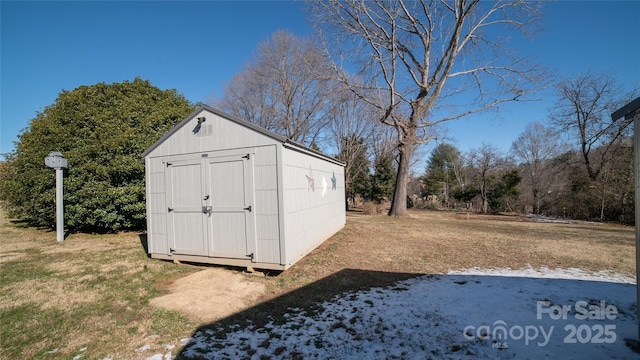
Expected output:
(632, 110)
(636, 145)
(56, 161)
(59, 206)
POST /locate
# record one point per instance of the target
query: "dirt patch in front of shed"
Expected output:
(211, 294)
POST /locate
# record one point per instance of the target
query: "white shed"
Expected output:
(222, 190)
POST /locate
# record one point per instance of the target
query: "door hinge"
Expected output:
(170, 209)
(172, 250)
(248, 156)
(250, 256)
(248, 208)
(168, 164)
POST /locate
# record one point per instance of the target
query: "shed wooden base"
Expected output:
(220, 261)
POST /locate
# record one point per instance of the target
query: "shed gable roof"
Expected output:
(270, 134)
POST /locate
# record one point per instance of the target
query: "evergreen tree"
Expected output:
(443, 172)
(503, 190)
(383, 179)
(102, 130)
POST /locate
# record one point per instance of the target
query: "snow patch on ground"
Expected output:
(476, 313)
(545, 272)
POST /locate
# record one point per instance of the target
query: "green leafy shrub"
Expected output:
(102, 130)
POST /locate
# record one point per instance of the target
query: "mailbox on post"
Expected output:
(57, 161)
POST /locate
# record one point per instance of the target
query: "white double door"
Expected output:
(210, 202)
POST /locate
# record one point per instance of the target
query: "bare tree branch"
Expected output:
(408, 52)
(583, 109)
(285, 88)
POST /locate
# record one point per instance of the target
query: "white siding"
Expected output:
(216, 133)
(311, 215)
(290, 218)
(266, 205)
(156, 207)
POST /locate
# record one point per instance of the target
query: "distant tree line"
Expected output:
(580, 166)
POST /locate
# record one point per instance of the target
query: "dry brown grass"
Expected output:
(437, 242)
(95, 291)
(91, 291)
(374, 208)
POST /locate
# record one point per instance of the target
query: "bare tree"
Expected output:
(284, 88)
(616, 197)
(610, 196)
(583, 112)
(419, 55)
(351, 131)
(484, 163)
(537, 148)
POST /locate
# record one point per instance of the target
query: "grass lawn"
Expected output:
(90, 294)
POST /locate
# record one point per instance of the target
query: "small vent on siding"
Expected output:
(206, 130)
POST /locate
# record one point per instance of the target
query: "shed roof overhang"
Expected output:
(628, 111)
(280, 138)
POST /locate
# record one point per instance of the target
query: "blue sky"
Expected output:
(194, 47)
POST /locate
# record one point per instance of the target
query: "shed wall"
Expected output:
(216, 133)
(265, 207)
(314, 209)
(215, 138)
(291, 216)
(156, 207)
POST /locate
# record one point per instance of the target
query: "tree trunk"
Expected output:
(483, 196)
(536, 202)
(399, 203)
(602, 201)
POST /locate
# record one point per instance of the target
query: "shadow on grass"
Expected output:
(145, 244)
(307, 298)
(26, 224)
